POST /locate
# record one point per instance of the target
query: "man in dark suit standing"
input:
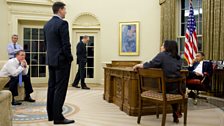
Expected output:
(81, 61)
(59, 60)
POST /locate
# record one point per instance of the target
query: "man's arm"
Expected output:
(13, 71)
(10, 50)
(20, 48)
(66, 46)
(78, 49)
(208, 68)
(25, 66)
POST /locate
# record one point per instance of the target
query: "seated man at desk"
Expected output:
(199, 68)
(17, 69)
(169, 60)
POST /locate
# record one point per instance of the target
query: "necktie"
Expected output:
(196, 64)
(14, 46)
(20, 79)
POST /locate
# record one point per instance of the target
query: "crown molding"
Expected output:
(31, 2)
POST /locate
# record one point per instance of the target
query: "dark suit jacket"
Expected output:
(81, 53)
(207, 67)
(57, 42)
(171, 66)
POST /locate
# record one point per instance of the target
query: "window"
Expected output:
(35, 51)
(184, 13)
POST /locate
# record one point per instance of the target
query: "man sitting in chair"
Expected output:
(199, 69)
(17, 69)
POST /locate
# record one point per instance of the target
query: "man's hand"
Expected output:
(135, 68)
(194, 60)
(198, 74)
(24, 63)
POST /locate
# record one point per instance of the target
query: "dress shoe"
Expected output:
(50, 119)
(176, 115)
(176, 120)
(76, 86)
(191, 94)
(29, 99)
(16, 103)
(87, 88)
(64, 121)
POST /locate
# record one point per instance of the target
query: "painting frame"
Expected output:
(129, 38)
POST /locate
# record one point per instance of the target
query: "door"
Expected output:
(91, 61)
(33, 44)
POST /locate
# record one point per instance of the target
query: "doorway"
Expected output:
(91, 64)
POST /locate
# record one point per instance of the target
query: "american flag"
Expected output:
(191, 41)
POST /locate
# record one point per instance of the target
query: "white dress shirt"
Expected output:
(198, 69)
(12, 68)
(12, 51)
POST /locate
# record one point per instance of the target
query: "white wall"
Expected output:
(109, 14)
(4, 38)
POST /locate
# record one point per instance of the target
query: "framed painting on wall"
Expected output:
(129, 38)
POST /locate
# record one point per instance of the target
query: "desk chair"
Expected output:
(158, 95)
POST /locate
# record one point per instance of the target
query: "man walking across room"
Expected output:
(13, 47)
(81, 61)
(59, 60)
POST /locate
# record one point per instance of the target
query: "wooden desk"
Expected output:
(121, 88)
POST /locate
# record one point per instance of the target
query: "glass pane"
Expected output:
(90, 51)
(91, 41)
(41, 35)
(196, 17)
(183, 29)
(26, 33)
(183, 16)
(200, 17)
(34, 59)
(185, 4)
(35, 34)
(199, 43)
(42, 59)
(34, 46)
(195, 3)
(185, 19)
(42, 46)
(42, 71)
(200, 28)
(182, 41)
(34, 71)
(90, 73)
(28, 58)
(26, 46)
(197, 27)
(90, 62)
